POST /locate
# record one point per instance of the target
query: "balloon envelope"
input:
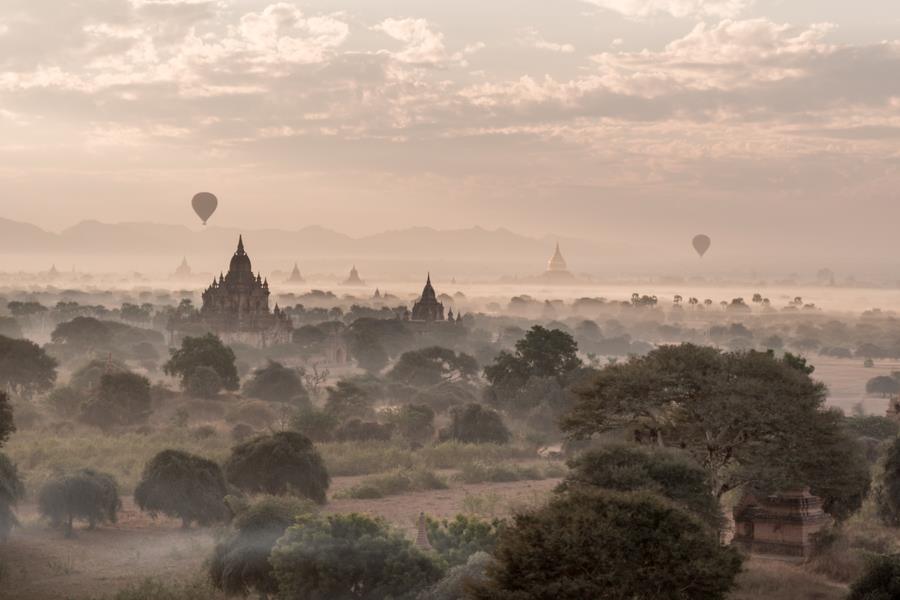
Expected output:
(702, 244)
(205, 205)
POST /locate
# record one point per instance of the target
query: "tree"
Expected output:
(276, 383)
(370, 355)
(457, 581)
(746, 417)
(415, 422)
(609, 545)
(25, 368)
(184, 486)
(7, 424)
(884, 385)
(630, 468)
(542, 353)
(123, 399)
(203, 382)
(11, 492)
(344, 557)
(347, 400)
(240, 561)
(457, 540)
(66, 401)
(873, 426)
(880, 581)
(433, 366)
(317, 425)
(285, 462)
(86, 380)
(84, 333)
(476, 424)
(206, 351)
(86, 495)
(356, 430)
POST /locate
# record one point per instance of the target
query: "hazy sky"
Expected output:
(770, 121)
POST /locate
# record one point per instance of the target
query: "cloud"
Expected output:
(675, 8)
(422, 45)
(531, 37)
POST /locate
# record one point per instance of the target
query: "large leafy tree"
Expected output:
(542, 353)
(605, 544)
(476, 424)
(82, 332)
(746, 417)
(276, 383)
(240, 562)
(347, 400)
(349, 557)
(433, 366)
(629, 468)
(206, 351)
(25, 368)
(182, 485)
(122, 399)
(11, 492)
(7, 423)
(86, 495)
(279, 464)
(880, 581)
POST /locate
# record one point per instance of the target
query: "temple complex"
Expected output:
(184, 270)
(428, 309)
(557, 269)
(236, 306)
(781, 525)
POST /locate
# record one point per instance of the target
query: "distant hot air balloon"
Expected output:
(205, 205)
(701, 244)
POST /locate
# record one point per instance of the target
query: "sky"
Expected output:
(771, 123)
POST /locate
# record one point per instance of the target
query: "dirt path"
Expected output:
(39, 564)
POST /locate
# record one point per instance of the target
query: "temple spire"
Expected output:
(240, 248)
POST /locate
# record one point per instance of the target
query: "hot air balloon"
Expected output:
(701, 244)
(205, 205)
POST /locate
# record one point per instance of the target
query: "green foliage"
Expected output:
(155, 589)
(347, 400)
(86, 380)
(356, 430)
(458, 539)
(629, 468)
(240, 561)
(203, 382)
(317, 425)
(11, 492)
(9, 327)
(476, 424)
(609, 545)
(881, 581)
(349, 557)
(746, 417)
(433, 366)
(7, 422)
(888, 492)
(123, 399)
(84, 333)
(445, 396)
(400, 481)
(454, 586)
(276, 383)
(285, 462)
(86, 495)
(415, 423)
(206, 351)
(185, 486)
(25, 368)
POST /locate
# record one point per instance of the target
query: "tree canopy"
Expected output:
(476, 424)
(285, 462)
(433, 366)
(25, 368)
(206, 351)
(604, 544)
(746, 417)
(276, 383)
(122, 399)
(86, 495)
(182, 485)
(884, 385)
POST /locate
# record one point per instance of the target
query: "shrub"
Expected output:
(154, 589)
(457, 540)
(881, 581)
(476, 424)
(888, 492)
(65, 401)
(445, 396)
(281, 463)
(415, 422)
(240, 561)
(604, 544)
(872, 426)
(256, 413)
(627, 468)
(355, 430)
(349, 556)
(86, 495)
(396, 483)
(203, 382)
(317, 425)
(123, 399)
(241, 432)
(347, 400)
(459, 578)
(277, 383)
(185, 486)
(11, 492)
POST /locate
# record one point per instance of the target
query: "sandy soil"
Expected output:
(846, 380)
(40, 564)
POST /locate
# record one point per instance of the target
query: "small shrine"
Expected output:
(780, 525)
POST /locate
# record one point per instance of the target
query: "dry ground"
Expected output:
(846, 381)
